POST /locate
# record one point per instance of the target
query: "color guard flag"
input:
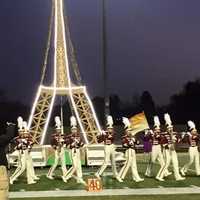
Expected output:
(138, 123)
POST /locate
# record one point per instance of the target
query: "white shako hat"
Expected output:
(168, 121)
(109, 122)
(73, 123)
(25, 126)
(126, 122)
(191, 125)
(156, 122)
(58, 123)
(20, 123)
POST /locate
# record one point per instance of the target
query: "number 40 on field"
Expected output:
(94, 185)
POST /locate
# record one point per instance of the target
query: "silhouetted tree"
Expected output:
(115, 107)
(98, 103)
(185, 105)
(148, 106)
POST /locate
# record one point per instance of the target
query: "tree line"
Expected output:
(183, 106)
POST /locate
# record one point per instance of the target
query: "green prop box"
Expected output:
(51, 158)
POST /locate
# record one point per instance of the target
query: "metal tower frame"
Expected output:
(62, 86)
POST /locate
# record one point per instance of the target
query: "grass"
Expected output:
(108, 181)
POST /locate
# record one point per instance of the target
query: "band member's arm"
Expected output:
(125, 142)
(198, 137)
(81, 143)
(163, 141)
(177, 137)
(67, 140)
(100, 138)
(137, 142)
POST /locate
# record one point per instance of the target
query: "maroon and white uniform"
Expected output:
(75, 143)
(57, 140)
(24, 145)
(129, 142)
(193, 140)
(58, 144)
(107, 138)
(155, 137)
(169, 140)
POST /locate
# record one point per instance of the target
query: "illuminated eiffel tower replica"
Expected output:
(62, 85)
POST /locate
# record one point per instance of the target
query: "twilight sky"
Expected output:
(152, 45)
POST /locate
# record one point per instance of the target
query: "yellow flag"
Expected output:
(138, 123)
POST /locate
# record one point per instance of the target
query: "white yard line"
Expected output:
(107, 192)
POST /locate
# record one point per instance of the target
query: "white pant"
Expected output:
(24, 164)
(170, 155)
(19, 163)
(32, 170)
(194, 156)
(59, 156)
(109, 155)
(130, 163)
(76, 165)
(156, 154)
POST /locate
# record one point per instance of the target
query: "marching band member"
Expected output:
(29, 157)
(17, 145)
(156, 154)
(129, 141)
(24, 144)
(107, 137)
(74, 143)
(147, 146)
(193, 139)
(58, 144)
(170, 138)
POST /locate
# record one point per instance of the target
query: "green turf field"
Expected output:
(108, 181)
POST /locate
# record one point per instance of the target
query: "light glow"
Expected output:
(48, 118)
(34, 107)
(55, 77)
(63, 88)
(93, 111)
(55, 45)
(69, 80)
(55, 89)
